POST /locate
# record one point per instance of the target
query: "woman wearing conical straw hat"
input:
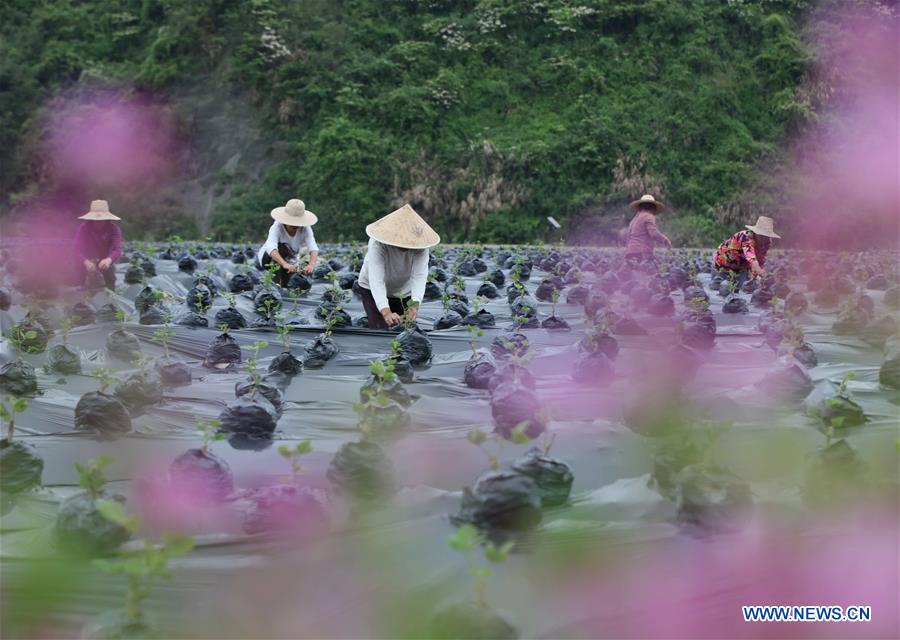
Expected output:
(395, 270)
(98, 244)
(290, 237)
(744, 253)
(642, 232)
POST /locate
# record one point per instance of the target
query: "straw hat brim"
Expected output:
(762, 232)
(659, 205)
(98, 215)
(429, 240)
(308, 218)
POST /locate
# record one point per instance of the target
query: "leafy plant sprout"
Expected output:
(269, 274)
(294, 295)
(284, 331)
(698, 304)
(202, 306)
(208, 429)
(554, 300)
(466, 539)
(65, 327)
(21, 338)
(407, 321)
(396, 349)
(162, 335)
(479, 438)
(224, 327)
(91, 476)
(122, 317)
(143, 565)
(105, 377)
(383, 372)
(292, 455)
(250, 365)
(229, 298)
(268, 307)
(474, 332)
(331, 320)
(11, 406)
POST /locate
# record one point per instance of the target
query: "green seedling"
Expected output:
(474, 332)
(143, 565)
(21, 338)
(845, 381)
(105, 377)
(284, 331)
(251, 365)
(165, 333)
(208, 428)
(497, 443)
(396, 349)
(698, 304)
(224, 327)
(268, 307)
(408, 322)
(65, 327)
(11, 406)
(202, 307)
(91, 476)
(554, 300)
(122, 317)
(294, 295)
(466, 540)
(292, 455)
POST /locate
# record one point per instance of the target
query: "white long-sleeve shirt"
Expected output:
(301, 242)
(395, 272)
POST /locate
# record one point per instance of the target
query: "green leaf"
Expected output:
(177, 544)
(115, 511)
(480, 572)
(477, 436)
(498, 554)
(465, 538)
(20, 405)
(285, 451)
(304, 446)
(518, 435)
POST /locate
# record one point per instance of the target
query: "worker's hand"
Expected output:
(668, 243)
(755, 270)
(89, 265)
(290, 268)
(390, 317)
(308, 269)
(412, 313)
(104, 264)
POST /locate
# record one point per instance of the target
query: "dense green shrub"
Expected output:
(487, 114)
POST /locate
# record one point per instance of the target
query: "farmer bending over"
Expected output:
(395, 269)
(642, 232)
(98, 244)
(290, 236)
(744, 253)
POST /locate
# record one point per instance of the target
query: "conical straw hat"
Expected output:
(295, 214)
(99, 211)
(648, 199)
(764, 226)
(403, 228)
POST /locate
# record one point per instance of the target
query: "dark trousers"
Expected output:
(109, 276)
(373, 313)
(281, 275)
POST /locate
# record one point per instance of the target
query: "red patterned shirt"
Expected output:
(739, 250)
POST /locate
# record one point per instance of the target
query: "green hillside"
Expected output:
(487, 115)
